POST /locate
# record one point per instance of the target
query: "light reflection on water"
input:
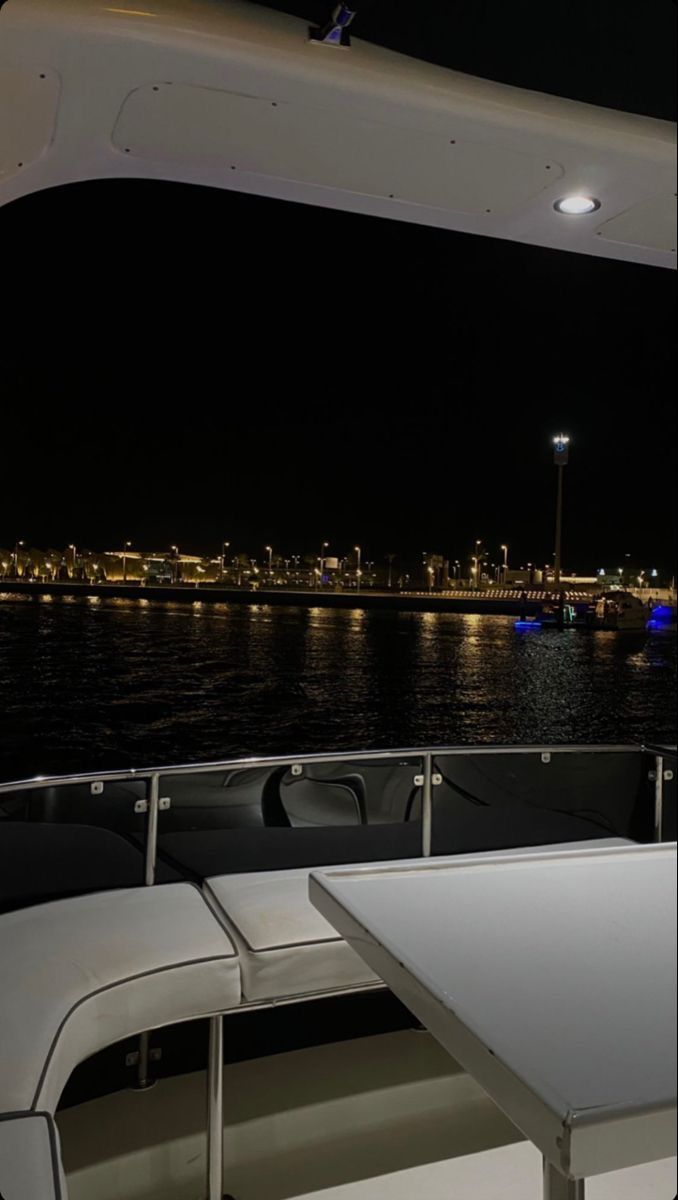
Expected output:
(124, 683)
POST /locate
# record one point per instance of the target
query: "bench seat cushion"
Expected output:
(286, 947)
(83, 973)
(30, 1160)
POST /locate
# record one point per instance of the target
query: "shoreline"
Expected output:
(214, 594)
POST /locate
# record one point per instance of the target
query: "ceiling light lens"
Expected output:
(576, 206)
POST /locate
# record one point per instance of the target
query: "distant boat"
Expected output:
(615, 610)
(621, 610)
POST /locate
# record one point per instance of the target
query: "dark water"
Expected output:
(94, 684)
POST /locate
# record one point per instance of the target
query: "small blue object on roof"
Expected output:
(335, 32)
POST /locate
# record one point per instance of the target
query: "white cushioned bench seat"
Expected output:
(30, 1161)
(286, 947)
(83, 973)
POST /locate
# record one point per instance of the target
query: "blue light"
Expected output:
(527, 625)
(663, 612)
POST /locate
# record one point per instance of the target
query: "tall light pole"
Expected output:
(505, 563)
(319, 575)
(72, 547)
(224, 548)
(16, 558)
(561, 455)
(358, 572)
(125, 548)
(477, 562)
(269, 551)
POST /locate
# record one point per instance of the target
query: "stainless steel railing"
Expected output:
(344, 756)
(662, 774)
(426, 777)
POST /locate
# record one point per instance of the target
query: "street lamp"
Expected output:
(269, 551)
(477, 560)
(16, 558)
(125, 548)
(72, 547)
(430, 578)
(175, 563)
(358, 572)
(224, 547)
(319, 574)
(505, 563)
(561, 456)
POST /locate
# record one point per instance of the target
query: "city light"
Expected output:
(437, 572)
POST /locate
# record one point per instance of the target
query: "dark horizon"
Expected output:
(184, 365)
(400, 392)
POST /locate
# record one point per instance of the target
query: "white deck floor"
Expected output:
(382, 1118)
(507, 1173)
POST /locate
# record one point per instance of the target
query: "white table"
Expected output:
(549, 976)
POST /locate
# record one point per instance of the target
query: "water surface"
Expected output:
(104, 683)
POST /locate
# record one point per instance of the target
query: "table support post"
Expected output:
(215, 1110)
(557, 1187)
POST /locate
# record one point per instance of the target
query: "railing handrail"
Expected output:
(668, 751)
(347, 756)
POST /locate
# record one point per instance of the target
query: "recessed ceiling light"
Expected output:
(576, 206)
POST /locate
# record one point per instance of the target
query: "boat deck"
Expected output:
(390, 1117)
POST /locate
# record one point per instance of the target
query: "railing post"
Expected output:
(152, 830)
(144, 1080)
(658, 797)
(427, 807)
(215, 1110)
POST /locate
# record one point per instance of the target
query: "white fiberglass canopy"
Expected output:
(232, 95)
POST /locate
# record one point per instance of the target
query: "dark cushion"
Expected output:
(465, 828)
(459, 828)
(225, 852)
(40, 862)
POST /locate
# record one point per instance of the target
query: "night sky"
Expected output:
(183, 365)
